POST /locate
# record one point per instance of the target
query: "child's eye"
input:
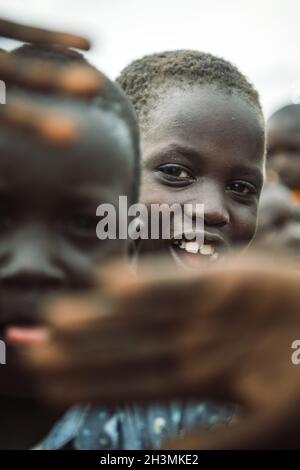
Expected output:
(81, 225)
(243, 188)
(175, 172)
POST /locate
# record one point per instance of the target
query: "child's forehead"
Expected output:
(204, 110)
(206, 101)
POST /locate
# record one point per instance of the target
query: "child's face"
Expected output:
(284, 149)
(202, 145)
(278, 222)
(49, 198)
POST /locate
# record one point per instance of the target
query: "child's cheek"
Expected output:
(154, 192)
(244, 225)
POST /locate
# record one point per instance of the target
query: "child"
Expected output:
(278, 228)
(62, 240)
(202, 136)
(216, 117)
(202, 140)
(284, 146)
(48, 243)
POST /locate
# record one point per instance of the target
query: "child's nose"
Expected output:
(215, 210)
(215, 215)
(31, 263)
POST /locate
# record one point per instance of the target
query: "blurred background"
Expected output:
(262, 37)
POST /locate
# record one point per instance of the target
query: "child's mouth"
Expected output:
(19, 332)
(26, 335)
(194, 247)
(191, 253)
(22, 322)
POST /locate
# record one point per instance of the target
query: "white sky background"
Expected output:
(262, 37)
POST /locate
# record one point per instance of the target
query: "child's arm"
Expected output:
(224, 335)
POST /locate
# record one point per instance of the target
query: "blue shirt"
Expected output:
(134, 427)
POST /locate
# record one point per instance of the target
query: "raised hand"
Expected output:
(225, 334)
(78, 80)
(11, 30)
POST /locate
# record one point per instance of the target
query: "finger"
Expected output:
(70, 315)
(54, 127)
(76, 319)
(97, 352)
(134, 364)
(110, 386)
(118, 279)
(24, 33)
(77, 80)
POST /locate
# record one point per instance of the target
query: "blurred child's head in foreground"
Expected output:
(50, 193)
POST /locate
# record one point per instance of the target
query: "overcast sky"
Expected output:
(262, 37)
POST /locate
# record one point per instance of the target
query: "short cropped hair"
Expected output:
(142, 79)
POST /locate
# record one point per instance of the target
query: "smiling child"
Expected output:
(202, 140)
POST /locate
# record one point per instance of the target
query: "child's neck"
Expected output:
(24, 423)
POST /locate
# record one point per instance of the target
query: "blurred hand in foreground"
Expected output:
(224, 335)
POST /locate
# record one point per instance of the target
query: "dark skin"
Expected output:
(58, 130)
(284, 148)
(230, 190)
(78, 80)
(194, 355)
(71, 79)
(230, 193)
(60, 140)
(53, 363)
(278, 222)
(27, 33)
(223, 334)
(48, 243)
(74, 79)
(202, 145)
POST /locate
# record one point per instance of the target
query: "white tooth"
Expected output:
(192, 247)
(207, 250)
(182, 244)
